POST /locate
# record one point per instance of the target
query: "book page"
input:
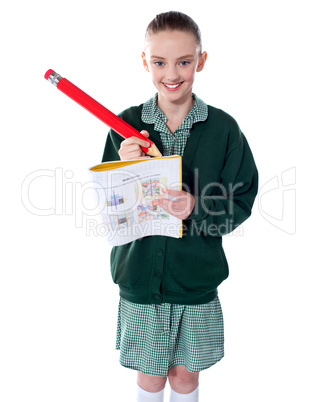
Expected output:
(128, 199)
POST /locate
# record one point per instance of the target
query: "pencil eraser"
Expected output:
(48, 73)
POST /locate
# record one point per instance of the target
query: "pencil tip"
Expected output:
(153, 151)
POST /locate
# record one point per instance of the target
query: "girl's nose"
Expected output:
(172, 74)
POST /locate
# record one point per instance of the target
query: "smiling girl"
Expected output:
(170, 322)
(173, 58)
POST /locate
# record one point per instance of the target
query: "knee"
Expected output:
(151, 383)
(181, 380)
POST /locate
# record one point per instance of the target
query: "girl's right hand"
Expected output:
(131, 147)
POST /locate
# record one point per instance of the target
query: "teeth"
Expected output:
(172, 86)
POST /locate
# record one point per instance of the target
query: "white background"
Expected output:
(58, 303)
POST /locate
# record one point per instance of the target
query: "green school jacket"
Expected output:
(218, 169)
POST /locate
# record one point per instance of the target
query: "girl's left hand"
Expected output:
(180, 208)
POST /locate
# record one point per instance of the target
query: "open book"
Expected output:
(127, 193)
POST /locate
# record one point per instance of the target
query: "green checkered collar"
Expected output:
(152, 114)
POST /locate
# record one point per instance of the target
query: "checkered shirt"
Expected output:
(173, 144)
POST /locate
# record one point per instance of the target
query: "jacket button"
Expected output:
(159, 276)
(160, 253)
(157, 297)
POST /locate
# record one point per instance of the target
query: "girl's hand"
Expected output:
(131, 147)
(181, 208)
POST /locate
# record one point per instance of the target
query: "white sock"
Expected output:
(144, 396)
(192, 397)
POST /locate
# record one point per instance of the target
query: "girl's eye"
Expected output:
(184, 63)
(159, 63)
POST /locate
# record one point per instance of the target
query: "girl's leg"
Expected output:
(151, 383)
(184, 384)
(150, 388)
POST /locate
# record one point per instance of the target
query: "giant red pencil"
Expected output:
(94, 107)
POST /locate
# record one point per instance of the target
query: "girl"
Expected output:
(170, 321)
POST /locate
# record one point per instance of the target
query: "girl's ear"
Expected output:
(201, 62)
(145, 65)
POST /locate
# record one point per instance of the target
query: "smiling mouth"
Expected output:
(172, 86)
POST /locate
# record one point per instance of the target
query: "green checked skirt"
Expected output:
(153, 338)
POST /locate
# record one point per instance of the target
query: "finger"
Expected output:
(171, 192)
(132, 150)
(145, 133)
(135, 140)
(134, 153)
(144, 157)
(171, 207)
(130, 158)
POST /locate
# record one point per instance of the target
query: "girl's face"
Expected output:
(172, 58)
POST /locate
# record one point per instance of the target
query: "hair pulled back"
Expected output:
(174, 21)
